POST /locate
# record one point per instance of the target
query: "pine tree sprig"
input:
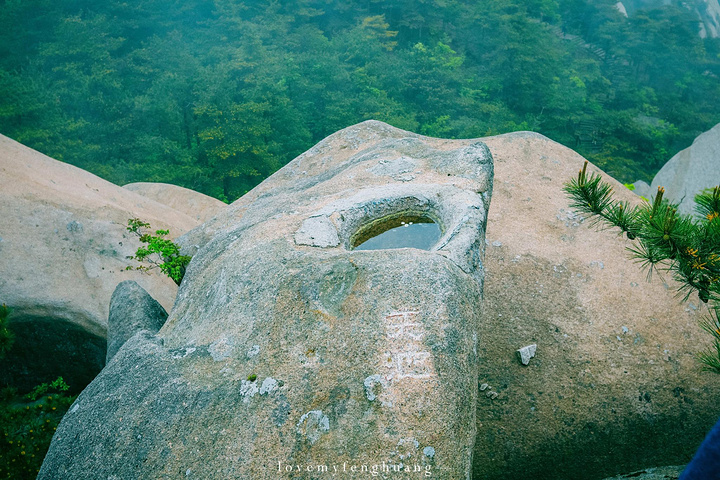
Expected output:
(707, 204)
(711, 357)
(591, 195)
(686, 246)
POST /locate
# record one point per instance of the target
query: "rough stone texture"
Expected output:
(616, 387)
(280, 352)
(132, 309)
(691, 170)
(658, 473)
(194, 204)
(526, 353)
(63, 249)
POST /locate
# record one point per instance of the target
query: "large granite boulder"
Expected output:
(288, 350)
(192, 203)
(614, 385)
(63, 248)
(288, 347)
(691, 170)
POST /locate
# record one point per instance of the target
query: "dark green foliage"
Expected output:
(687, 247)
(27, 424)
(57, 385)
(6, 336)
(159, 252)
(216, 96)
(593, 196)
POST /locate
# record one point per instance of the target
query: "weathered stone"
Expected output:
(691, 171)
(589, 406)
(317, 232)
(132, 309)
(192, 203)
(269, 337)
(63, 252)
(280, 351)
(526, 353)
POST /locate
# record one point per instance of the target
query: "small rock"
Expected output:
(526, 353)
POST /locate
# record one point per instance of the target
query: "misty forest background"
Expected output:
(215, 95)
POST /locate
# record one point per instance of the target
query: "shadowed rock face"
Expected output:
(287, 347)
(47, 347)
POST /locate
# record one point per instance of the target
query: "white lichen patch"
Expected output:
(254, 350)
(312, 425)
(221, 349)
(374, 385)
(406, 448)
(429, 452)
(248, 390)
(269, 385)
(184, 352)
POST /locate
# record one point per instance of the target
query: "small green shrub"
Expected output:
(27, 424)
(158, 251)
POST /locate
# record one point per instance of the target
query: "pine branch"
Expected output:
(707, 204)
(592, 196)
(687, 247)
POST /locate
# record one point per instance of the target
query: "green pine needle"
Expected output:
(707, 204)
(687, 247)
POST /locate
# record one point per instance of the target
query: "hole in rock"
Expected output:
(402, 230)
(46, 348)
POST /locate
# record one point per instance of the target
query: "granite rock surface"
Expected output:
(286, 347)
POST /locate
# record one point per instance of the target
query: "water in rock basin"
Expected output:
(400, 232)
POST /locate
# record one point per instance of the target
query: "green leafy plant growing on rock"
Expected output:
(159, 252)
(686, 246)
(27, 425)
